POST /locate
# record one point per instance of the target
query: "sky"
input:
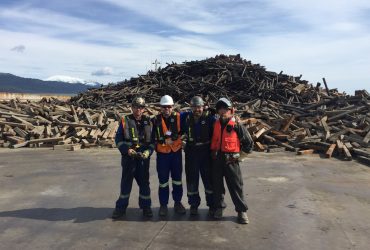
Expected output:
(111, 40)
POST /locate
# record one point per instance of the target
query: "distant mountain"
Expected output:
(16, 84)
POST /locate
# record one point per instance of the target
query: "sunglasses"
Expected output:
(166, 107)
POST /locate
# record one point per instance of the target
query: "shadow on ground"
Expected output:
(88, 214)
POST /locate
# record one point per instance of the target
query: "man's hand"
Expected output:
(169, 141)
(131, 152)
(145, 155)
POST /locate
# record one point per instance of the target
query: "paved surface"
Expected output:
(63, 200)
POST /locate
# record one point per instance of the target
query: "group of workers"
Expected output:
(212, 144)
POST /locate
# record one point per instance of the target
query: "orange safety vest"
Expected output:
(162, 140)
(229, 143)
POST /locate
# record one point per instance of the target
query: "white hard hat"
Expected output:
(166, 100)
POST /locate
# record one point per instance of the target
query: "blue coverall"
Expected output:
(169, 164)
(132, 168)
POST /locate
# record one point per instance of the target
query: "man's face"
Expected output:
(166, 110)
(137, 111)
(197, 110)
(224, 112)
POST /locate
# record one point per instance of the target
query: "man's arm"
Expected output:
(122, 145)
(245, 138)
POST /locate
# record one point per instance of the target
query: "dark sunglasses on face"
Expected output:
(138, 107)
(166, 107)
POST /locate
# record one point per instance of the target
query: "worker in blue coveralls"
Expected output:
(197, 133)
(134, 141)
(168, 145)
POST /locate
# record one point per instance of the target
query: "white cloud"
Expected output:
(103, 72)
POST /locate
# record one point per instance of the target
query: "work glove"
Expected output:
(183, 144)
(145, 155)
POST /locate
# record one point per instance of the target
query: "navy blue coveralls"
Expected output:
(168, 163)
(139, 140)
(198, 155)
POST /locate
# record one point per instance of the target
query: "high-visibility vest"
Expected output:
(229, 143)
(164, 135)
(204, 136)
(131, 132)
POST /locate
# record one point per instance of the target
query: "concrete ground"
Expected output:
(63, 200)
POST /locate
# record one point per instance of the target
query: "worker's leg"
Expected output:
(204, 168)
(163, 170)
(176, 175)
(192, 176)
(217, 180)
(142, 179)
(234, 181)
(128, 169)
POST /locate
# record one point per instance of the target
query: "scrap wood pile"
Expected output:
(282, 112)
(221, 76)
(52, 123)
(335, 126)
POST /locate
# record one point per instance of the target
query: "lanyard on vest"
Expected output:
(172, 131)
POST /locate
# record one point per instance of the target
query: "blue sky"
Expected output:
(110, 40)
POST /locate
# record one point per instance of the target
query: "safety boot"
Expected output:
(243, 218)
(193, 210)
(218, 214)
(179, 208)
(211, 212)
(147, 212)
(118, 213)
(163, 210)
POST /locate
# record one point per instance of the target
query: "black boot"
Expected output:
(211, 212)
(218, 214)
(193, 210)
(163, 210)
(118, 213)
(243, 218)
(147, 212)
(179, 208)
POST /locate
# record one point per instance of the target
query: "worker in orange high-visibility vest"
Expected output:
(168, 145)
(228, 140)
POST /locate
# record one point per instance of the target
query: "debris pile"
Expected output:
(221, 76)
(282, 112)
(54, 123)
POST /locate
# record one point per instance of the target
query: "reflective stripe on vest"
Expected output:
(131, 133)
(204, 136)
(162, 145)
(229, 143)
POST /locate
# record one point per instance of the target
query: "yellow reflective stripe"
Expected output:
(176, 182)
(145, 197)
(193, 193)
(163, 185)
(123, 196)
(159, 133)
(209, 191)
